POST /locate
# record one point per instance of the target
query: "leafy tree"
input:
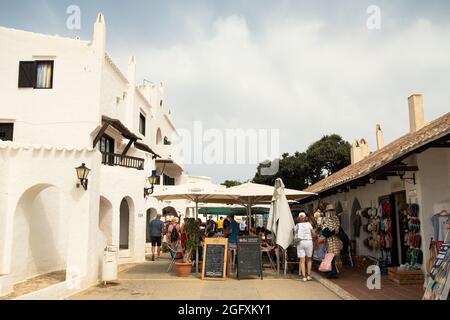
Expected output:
(324, 157)
(327, 156)
(231, 183)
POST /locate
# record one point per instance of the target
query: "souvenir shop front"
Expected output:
(397, 216)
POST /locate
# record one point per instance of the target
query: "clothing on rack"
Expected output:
(440, 225)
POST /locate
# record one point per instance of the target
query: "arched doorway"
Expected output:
(126, 220)
(39, 234)
(105, 220)
(151, 214)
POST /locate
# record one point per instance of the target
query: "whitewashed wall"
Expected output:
(46, 222)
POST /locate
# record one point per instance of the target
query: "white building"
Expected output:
(413, 169)
(65, 103)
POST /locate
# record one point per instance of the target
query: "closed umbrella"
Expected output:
(280, 221)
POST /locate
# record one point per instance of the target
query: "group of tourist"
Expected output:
(176, 234)
(320, 232)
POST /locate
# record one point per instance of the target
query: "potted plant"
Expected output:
(192, 231)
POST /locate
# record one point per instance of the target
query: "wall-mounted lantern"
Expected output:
(82, 173)
(401, 174)
(153, 179)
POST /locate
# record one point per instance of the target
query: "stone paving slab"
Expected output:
(150, 281)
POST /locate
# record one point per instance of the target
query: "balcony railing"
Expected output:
(114, 159)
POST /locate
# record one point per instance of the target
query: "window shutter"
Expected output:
(27, 74)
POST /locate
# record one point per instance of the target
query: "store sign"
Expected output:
(215, 259)
(249, 257)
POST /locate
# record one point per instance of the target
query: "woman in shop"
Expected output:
(305, 234)
(330, 231)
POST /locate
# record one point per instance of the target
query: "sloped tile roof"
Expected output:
(408, 143)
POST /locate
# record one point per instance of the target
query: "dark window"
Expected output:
(6, 131)
(167, 141)
(36, 74)
(160, 103)
(107, 149)
(142, 124)
(168, 181)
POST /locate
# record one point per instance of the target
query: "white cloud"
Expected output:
(303, 77)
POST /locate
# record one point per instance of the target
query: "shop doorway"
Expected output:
(394, 202)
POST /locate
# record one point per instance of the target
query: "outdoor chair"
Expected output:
(290, 257)
(175, 255)
(267, 251)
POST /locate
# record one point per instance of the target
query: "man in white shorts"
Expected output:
(305, 233)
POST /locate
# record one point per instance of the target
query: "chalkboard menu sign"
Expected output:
(215, 258)
(249, 257)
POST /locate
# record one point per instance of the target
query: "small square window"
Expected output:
(36, 74)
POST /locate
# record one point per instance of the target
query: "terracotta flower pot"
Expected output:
(183, 268)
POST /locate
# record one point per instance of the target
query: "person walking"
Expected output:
(305, 234)
(173, 233)
(156, 228)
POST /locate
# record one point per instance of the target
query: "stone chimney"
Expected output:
(360, 150)
(380, 136)
(416, 115)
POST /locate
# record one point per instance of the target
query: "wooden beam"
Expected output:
(100, 134)
(128, 147)
(441, 145)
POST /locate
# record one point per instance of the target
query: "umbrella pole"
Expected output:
(249, 214)
(196, 250)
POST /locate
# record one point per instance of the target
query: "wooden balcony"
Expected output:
(114, 159)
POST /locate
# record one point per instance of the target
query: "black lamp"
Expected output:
(401, 174)
(82, 173)
(153, 179)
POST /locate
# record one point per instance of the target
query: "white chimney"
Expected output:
(99, 39)
(380, 136)
(360, 150)
(416, 115)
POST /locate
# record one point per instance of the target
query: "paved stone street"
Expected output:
(150, 280)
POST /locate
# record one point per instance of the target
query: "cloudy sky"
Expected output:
(306, 68)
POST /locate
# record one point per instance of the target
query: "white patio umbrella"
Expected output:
(251, 194)
(196, 192)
